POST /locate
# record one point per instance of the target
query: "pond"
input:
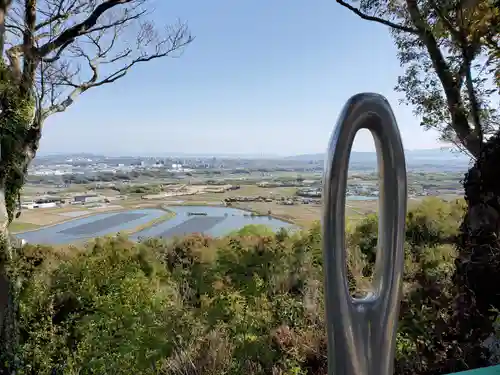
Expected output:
(216, 221)
(213, 221)
(91, 226)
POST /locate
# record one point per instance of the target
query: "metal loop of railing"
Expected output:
(362, 332)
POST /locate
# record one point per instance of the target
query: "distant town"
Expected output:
(161, 177)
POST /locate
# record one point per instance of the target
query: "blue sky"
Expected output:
(261, 77)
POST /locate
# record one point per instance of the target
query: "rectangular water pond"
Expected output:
(193, 225)
(103, 224)
(89, 227)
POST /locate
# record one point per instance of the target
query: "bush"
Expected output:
(110, 309)
(249, 303)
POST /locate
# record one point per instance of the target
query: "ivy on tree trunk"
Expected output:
(16, 118)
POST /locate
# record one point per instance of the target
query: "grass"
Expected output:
(244, 191)
(47, 217)
(306, 214)
(19, 226)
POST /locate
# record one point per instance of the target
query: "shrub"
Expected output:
(249, 303)
(110, 309)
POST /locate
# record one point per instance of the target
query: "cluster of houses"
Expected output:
(309, 193)
(54, 201)
(297, 183)
(298, 200)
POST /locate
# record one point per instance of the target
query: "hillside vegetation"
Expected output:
(249, 303)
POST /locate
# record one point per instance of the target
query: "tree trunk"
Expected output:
(8, 307)
(13, 168)
(477, 275)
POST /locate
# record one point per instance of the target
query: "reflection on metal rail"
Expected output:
(362, 332)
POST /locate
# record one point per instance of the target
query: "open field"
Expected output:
(42, 217)
(245, 190)
(49, 216)
(305, 214)
(19, 226)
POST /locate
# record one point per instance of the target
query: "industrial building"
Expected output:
(87, 198)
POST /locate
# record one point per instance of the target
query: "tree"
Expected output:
(451, 55)
(51, 52)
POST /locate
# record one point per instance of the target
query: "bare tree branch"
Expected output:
(58, 15)
(101, 49)
(59, 52)
(29, 62)
(376, 19)
(80, 44)
(81, 28)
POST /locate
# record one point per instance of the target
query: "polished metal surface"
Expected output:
(362, 332)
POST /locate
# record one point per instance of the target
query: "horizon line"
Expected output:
(237, 155)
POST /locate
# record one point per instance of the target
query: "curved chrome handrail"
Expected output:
(362, 332)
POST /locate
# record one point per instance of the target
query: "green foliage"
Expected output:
(142, 189)
(110, 309)
(253, 230)
(249, 303)
(434, 221)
